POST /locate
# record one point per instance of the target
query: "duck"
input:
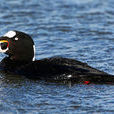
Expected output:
(20, 50)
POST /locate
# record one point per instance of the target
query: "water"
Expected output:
(79, 29)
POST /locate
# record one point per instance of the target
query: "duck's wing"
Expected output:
(62, 68)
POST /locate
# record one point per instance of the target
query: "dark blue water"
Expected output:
(79, 29)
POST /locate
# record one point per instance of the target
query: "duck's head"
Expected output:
(18, 46)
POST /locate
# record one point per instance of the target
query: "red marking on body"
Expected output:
(8, 44)
(86, 82)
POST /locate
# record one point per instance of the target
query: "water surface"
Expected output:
(79, 29)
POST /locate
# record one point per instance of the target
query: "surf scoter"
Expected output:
(20, 49)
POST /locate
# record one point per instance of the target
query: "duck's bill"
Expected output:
(4, 45)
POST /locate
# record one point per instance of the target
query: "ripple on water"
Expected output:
(82, 30)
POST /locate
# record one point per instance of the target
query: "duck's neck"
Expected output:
(11, 65)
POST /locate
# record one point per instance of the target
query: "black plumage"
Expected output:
(55, 68)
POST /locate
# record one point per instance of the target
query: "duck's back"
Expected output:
(57, 68)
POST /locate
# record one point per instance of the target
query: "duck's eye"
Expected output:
(4, 45)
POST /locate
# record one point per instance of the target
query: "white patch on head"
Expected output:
(34, 53)
(16, 38)
(10, 34)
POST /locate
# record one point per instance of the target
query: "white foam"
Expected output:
(10, 34)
